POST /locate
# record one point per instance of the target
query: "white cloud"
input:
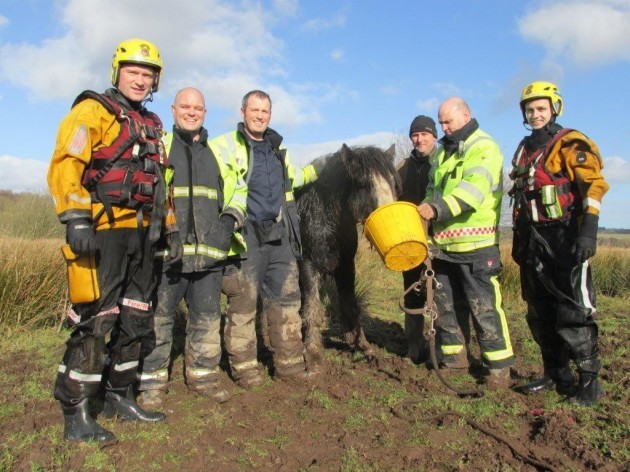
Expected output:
(3, 20)
(304, 153)
(587, 33)
(285, 7)
(447, 89)
(337, 55)
(319, 24)
(616, 169)
(22, 175)
(204, 45)
(429, 106)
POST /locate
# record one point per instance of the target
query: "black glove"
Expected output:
(80, 236)
(224, 231)
(586, 243)
(175, 247)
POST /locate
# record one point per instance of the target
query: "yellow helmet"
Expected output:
(137, 51)
(541, 89)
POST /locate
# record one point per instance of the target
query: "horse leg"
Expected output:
(351, 309)
(313, 315)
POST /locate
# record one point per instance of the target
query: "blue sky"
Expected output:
(354, 71)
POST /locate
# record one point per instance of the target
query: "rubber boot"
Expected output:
(80, 426)
(565, 381)
(560, 378)
(589, 389)
(121, 403)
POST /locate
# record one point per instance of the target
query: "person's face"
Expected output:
(256, 116)
(538, 113)
(189, 110)
(452, 119)
(423, 142)
(135, 81)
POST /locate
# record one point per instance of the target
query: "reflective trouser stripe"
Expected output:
(160, 376)
(246, 365)
(289, 362)
(507, 352)
(451, 350)
(198, 373)
(126, 366)
(78, 376)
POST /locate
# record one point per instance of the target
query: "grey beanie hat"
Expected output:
(422, 123)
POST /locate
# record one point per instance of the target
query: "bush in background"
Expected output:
(28, 215)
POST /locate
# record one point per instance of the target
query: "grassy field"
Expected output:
(364, 415)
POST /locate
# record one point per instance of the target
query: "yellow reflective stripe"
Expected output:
(289, 196)
(452, 204)
(507, 352)
(454, 349)
(198, 191)
(202, 249)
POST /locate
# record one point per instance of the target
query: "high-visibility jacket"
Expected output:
(553, 181)
(88, 127)
(211, 198)
(472, 174)
(234, 147)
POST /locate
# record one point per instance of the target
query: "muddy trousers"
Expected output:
(560, 296)
(476, 281)
(126, 279)
(414, 324)
(270, 271)
(201, 292)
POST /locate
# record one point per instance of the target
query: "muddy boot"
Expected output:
(498, 379)
(121, 403)
(80, 426)
(208, 387)
(152, 399)
(457, 361)
(249, 379)
(589, 389)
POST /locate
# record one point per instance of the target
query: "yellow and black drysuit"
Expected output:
(557, 192)
(269, 268)
(465, 189)
(210, 204)
(108, 170)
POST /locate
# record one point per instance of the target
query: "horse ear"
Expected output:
(391, 152)
(346, 154)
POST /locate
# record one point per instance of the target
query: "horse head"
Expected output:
(373, 179)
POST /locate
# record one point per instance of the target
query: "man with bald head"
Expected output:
(210, 200)
(463, 204)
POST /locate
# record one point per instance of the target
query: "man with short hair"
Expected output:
(558, 190)
(107, 178)
(210, 200)
(414, 174)
(463, 203)
(272, 234)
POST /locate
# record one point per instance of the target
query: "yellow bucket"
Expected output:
(397, 233)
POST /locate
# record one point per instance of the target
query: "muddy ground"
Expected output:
(361, 415)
